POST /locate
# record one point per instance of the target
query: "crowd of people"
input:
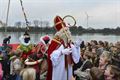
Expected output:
(100, 60)
(59, 58)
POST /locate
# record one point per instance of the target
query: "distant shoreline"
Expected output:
(74, 30)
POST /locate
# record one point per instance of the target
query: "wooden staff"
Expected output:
(70, 38)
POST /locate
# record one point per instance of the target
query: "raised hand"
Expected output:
(78, 42)
(66, 51)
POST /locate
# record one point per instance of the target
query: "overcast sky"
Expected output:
(103, 13)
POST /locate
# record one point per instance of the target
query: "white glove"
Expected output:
(78, 42)
(67, 51)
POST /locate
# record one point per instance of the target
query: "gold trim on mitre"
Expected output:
(58, 23)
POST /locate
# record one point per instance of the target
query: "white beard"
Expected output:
(65, 35)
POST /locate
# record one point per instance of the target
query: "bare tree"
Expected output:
(18, 24)
(1, 24)
(36, 23)
(41, 23)
(46, 24)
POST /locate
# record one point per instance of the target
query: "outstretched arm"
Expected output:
(29, 63)
(75, 53)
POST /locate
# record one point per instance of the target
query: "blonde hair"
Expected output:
(114, 70)
(106, 55)
(28, 74)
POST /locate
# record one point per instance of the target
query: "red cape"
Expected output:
(54, 45)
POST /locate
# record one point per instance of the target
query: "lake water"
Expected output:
(35, 37)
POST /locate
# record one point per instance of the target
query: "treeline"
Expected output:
(74, 30)
(105, 31)
(31, 29)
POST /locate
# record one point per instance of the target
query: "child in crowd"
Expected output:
(105, 59)
(112, 73)
(96, 74)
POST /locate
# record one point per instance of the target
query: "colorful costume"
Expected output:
(25, 46)
(35, 60)
(62, 53)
